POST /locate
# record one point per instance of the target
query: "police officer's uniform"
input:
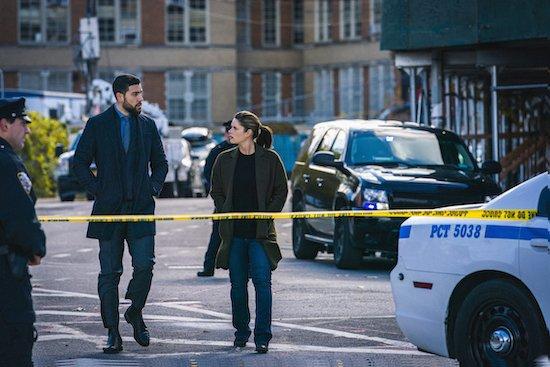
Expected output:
(21, 238)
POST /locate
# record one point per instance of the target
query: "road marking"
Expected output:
(342, 318)
(85, 250)
(225, 316)
(60, 256)
(286, 225)
(71, 334)
(153, 318)
(337, 333)
(90, 362)
(184, 267)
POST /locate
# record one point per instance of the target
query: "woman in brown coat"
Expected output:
(249, 178)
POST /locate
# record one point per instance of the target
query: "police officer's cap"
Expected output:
(12, 108)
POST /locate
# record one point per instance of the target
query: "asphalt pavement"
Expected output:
(322, 316)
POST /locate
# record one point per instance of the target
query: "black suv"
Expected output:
(374, 165)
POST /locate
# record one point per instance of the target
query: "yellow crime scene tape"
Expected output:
(499, 214)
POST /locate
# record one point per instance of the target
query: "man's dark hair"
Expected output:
(123, 82)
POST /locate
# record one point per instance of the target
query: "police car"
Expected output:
(478, 290)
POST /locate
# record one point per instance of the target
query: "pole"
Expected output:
(91, 63)
(1, 83)
(412, 92)
(494, 112)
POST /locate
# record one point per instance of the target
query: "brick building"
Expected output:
(201, 60)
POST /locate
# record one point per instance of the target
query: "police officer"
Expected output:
(22, 241)
(215, 240)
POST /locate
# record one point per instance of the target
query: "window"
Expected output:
(323, 14)
(57, 81)
(375, 17)
(351, 92)
(43, 21)
(298, 22)
(381, 87)
(244, 96)
(299, 94)
(271, 22)
(243, 22)
(186, 21)
(271, 94)
(118, 21)
(409, 147)
(327, 141)
(350, 19)
(197, 21)
(324, 104)
(188, 96)
(175, 14)
(339, 145)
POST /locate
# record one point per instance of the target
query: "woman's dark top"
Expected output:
(245, 197)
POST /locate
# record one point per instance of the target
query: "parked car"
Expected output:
(67, 184)
(178, 179)
(477, 290)
(177, 182)
(201, 143)
(372, 165)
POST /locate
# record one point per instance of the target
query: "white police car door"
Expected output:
(534, 253)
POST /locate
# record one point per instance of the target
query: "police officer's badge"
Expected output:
(25, 182)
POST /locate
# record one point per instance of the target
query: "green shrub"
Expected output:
(39, 152)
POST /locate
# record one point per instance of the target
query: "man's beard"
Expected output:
(131, 109)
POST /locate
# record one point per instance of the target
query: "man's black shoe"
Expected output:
(261, 349)
(205, 273)
(239, 344)
(114, 342)
(141, 334)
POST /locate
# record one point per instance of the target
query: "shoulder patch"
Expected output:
(25, 182)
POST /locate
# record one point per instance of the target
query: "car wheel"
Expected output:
(346, 256)
(302, 248)
(498, 325)
(66, 197)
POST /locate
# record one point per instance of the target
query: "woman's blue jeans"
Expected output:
(248, 257)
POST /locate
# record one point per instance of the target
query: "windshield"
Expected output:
(407, 147)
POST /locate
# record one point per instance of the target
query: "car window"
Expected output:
(310, 144)
(409, 147)
(339, 145)
(327, 141)
(75, 141)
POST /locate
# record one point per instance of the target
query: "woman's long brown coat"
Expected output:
(272, 190)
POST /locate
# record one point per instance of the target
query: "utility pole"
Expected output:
(89, 50)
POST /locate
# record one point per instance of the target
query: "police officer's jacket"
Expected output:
(19, 226)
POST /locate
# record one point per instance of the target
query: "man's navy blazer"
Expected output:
(101, 142)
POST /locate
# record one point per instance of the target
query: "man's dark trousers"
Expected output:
(142, 251)
(213, 246)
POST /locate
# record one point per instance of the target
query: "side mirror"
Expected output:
(491, 167)
(59, 149)
(326, 159)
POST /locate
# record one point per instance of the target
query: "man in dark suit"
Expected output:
(215, 240)
(124, 146)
